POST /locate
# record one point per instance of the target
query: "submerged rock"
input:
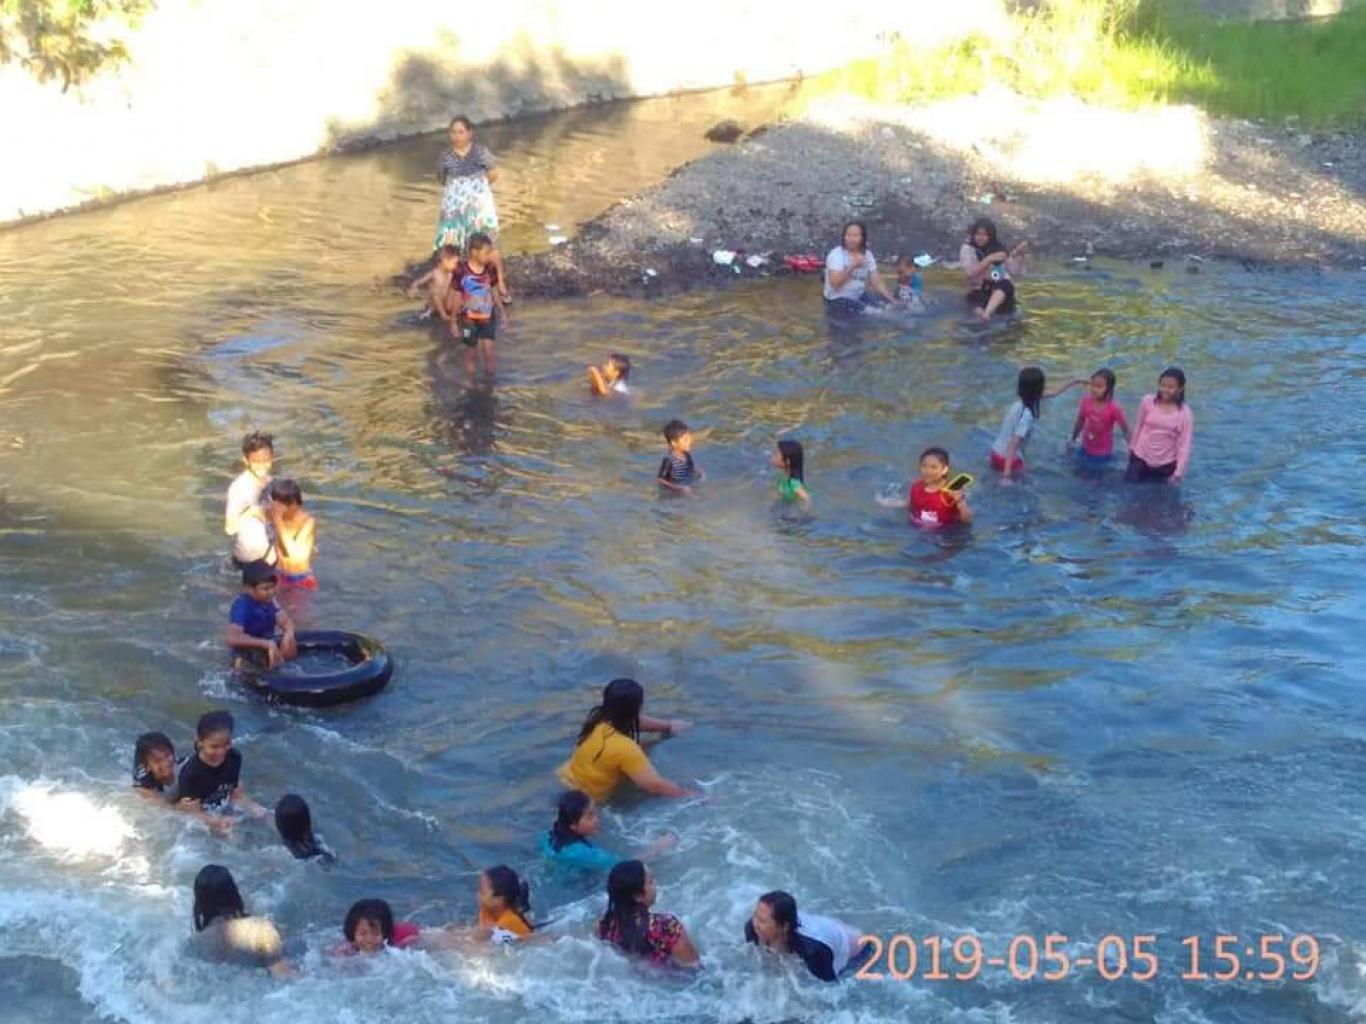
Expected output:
(725, 131)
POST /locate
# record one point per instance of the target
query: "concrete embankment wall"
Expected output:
(217, 86)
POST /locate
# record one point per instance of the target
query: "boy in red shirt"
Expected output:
(932, 504)
(477, 324)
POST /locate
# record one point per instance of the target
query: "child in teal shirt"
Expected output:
(568, 842)
(788, 458)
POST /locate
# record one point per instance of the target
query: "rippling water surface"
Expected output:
(1103, 711)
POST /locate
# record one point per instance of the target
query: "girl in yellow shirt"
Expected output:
(608, 748)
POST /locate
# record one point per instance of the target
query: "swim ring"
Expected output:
(368, 670)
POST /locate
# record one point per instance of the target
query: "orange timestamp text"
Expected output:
(1055, 957)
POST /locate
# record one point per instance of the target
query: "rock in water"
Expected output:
(725, 131)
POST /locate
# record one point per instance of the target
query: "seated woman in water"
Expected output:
(634, 928)
(224, 933)
(826, 946)
(789, 460)
(611, 378)
(569, 841)
(988, 266)
(1161, 446)
(608, 750)
(850, 270)
(370, 927)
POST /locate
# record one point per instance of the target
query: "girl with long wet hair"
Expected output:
(608, 750)
(631, 926)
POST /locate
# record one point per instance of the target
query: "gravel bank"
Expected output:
(1073, 179)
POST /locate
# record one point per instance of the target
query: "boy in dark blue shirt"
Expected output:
(257, 623)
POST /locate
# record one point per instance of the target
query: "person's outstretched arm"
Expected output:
(652, 782)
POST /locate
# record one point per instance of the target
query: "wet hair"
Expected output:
(905, 261)
(1108, 375)
(1029, 389)
(620, 708)
(783, 906)
(862, 230)
(213, 722)
(674, 429)
(1179, 375)
(461, 119)
(287, 492)
(508, 886)
(623, 363)
(215, 896)
(147, 743)
(256, 573)
(993, 243)
(942, 454)
(625, 887)
(258, 441)
(793, 459)
(377, 912)
(449, 252)
(293, 821)
(569, 810)
(479, 240)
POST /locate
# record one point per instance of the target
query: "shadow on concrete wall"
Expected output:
(425, 92)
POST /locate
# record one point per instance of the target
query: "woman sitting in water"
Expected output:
(608, 749)
(826, 946)
(632, 927)
(569, 841)
(988, 266)
(850, 270)
(223, 931)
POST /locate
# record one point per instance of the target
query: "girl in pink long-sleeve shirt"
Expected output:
(1161, 446)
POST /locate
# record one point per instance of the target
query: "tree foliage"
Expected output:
(69, 41)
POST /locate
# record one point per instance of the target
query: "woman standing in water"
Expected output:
(608, 749)
(466, 171)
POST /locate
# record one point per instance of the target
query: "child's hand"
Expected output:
(678, 726)
(273, 656)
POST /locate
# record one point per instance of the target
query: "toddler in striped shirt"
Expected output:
(678, 472)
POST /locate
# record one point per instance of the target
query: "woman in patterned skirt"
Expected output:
(467, 170)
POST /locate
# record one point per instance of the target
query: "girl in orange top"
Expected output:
(504, 902)
(608, 748)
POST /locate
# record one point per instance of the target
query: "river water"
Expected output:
(1105, 711)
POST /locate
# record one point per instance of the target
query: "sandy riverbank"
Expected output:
(1153, 185)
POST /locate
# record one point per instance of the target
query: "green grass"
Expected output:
(1134, 52)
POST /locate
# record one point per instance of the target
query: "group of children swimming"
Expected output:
(273, 542)
(208, 785)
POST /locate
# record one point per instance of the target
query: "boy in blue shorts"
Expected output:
(477, 324)
(257, 623)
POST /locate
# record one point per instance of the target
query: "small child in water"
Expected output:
(370, 926)
(443, 292)
(477, 323)
(788, 459)
(257, 623)
(1097, 416)
(295, 531)
(569, 841)
(908, 285)
(154, 766)
(611, 379)
(504, 902)
(212, 779)
(1007, 451)
(246, 511)
(295, 825)
(932, 504)
(678, 472)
